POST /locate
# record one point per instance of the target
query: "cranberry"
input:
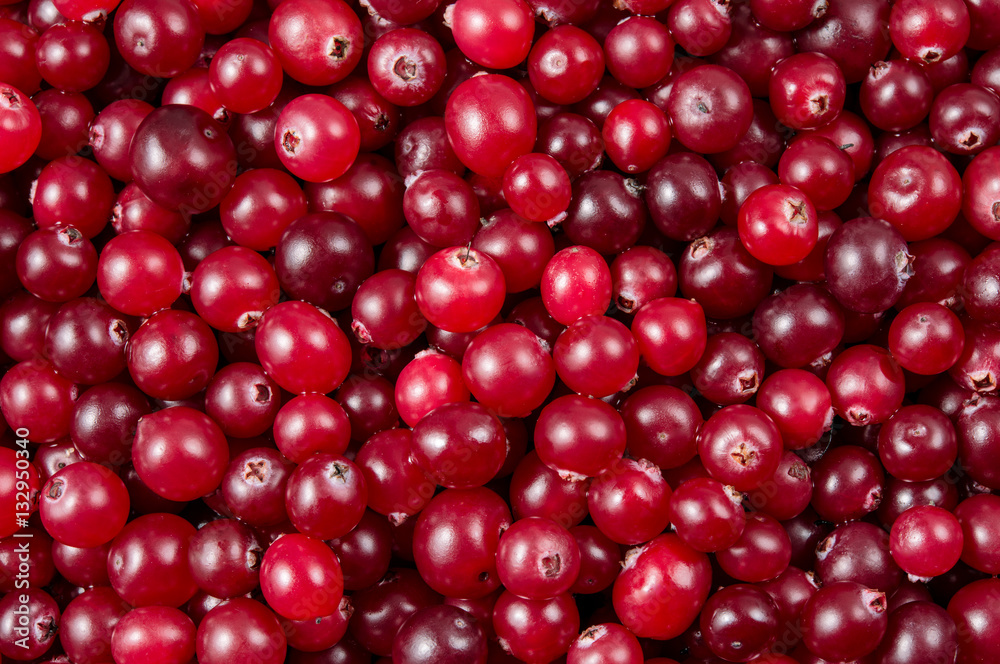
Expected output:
(173, 355)
(639, 51)
(57, 264)
(240, 628)
(446, 633)
(929, 32)
(867, 265)
(848, 483)
(488, 136)
(317, 43)
(33, 637)
(916, 168)
(180, 471)
(565, 65)
(853, 34)
(664, 568)
(302, 348)
(628, 502)
(316, 137)
(841, 609)
(981, 202)
(148, 553)
(406, 66)
(459, 289)
(536, 630)
(722, 276)
(456, 540)
(672, 334)
(182, 158)
(73, 192)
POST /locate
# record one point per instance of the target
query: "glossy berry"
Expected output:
(844, 621)
(664, 565)
(188, 467)
(926, 541)
(537, 559)
(490, 121)
(459, 445)
(301, 578)
(317, 138)
(84, 505)
(496, 35)
(459, 289)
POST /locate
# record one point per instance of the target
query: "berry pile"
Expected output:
(494, 331)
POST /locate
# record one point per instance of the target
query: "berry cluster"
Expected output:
(494, 331)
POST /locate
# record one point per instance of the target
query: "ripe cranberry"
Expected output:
(444, 633)
(963, 118)
(325, 498)
(154, 39)
(459, 289)
(240, 628)
(724, 278)
(979, 531)
(572, 140)
(57, 264)
(601, 342)
(797, 325)
(576, 283)
(538, 491)
(929, 32)
(180, 453)
(858, 551)
(853, 34)
(581, 436)
(33, 637)
(245, 75)
(456, 540)
(844, 621)
(397, 486)
(73, 192)
(317, 137)
(912, 169)
(981, 202)
(406, 66)
(565, 65)
(628, 502)
(253, 486)
(302, 348)
(537, 559)
(711, 109)
(34, 397)
(301, 578)
(977, 426)
(807, 90)
(182, 158)
(664, 567)
(739, 621)
(317, 43)
(496, 35)
(926, 541)
(639, 51)
(672, 334)
(88, 623)
(896, 95)
(848, 483)
(173, 355)
(148, 561)
(885, 265)
(490, 121)
(918, 627)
